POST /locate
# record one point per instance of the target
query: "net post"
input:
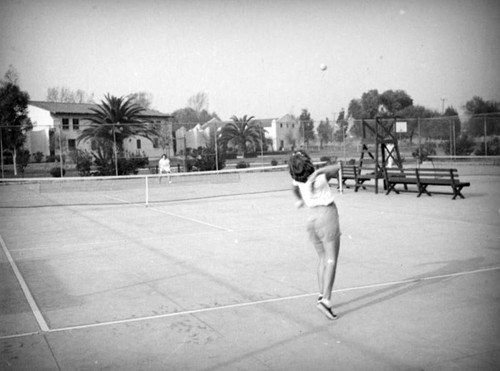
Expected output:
(339, 175)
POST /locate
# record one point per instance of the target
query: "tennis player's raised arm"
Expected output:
(330, 171)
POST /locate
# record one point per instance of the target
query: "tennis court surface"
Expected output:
(219, 275)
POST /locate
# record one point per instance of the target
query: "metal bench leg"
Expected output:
(422, 189)
(457, 191)
(391, 188)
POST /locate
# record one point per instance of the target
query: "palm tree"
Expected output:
(113, 121)
(241, 132)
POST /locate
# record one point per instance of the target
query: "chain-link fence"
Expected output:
(421, 138)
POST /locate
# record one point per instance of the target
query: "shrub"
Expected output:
(83, 160)
(463, 146)
(8, 159)
(203, 159)
(427, 149)
(38, 157)
(57, 173)
(231, 156)
(274, 162)
(22, 159)
(492, 146)
(242, 165)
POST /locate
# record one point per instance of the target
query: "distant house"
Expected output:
(69, 119)
(284, 133)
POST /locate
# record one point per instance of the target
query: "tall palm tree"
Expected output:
(115, 120)
(241, 132)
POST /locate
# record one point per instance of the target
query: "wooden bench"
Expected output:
(348, 173)
(395, 176)
(353, 172)
(439, 177)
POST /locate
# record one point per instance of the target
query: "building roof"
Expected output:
(59, 108)
(287, 118)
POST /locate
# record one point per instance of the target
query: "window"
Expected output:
(71, 144)
(65, 124)
(138, 144)
(281, 125)
(76, 124)
(156, 143)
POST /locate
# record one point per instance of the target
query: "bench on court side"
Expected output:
(439, 177)
(395, 176)
(348, 173)
(354, 172)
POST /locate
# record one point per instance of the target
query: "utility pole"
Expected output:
(442, 104)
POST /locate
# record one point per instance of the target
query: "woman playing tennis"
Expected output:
(312, 190)
(164, 167)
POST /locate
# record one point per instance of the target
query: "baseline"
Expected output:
(258, 302)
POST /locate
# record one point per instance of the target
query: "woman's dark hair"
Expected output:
(301, 166)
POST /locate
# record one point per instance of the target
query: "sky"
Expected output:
(253, 57)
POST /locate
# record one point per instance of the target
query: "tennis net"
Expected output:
(140, 189)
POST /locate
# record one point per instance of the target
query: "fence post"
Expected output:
(419, 143)
(147, 191)
(485, 134)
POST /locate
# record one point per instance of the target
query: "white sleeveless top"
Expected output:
(317, 194)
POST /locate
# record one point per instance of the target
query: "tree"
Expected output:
(370, 103)
(113, 121)
(198, 102)
(450, 111)
(14, 120)
(142, 99)
(484, 122)
(241, 132)
(189, 115)
(342, 124)
(66, 95)
(306, 127)
(354, 109)
(428, 128)
(325, 132)
(478, 105)
(365, 108)
(164, 132)
(395, 100)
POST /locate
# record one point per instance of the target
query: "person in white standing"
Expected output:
(164, 167)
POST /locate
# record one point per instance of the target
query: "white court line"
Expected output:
(24, 334)
(177, 216)
(190, 219)
(31, 301)
(232, 306)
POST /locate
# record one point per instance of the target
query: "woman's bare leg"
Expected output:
(321, 267)
(331, 249)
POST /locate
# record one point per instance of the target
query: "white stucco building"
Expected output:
(58, 125)
(65, 122)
